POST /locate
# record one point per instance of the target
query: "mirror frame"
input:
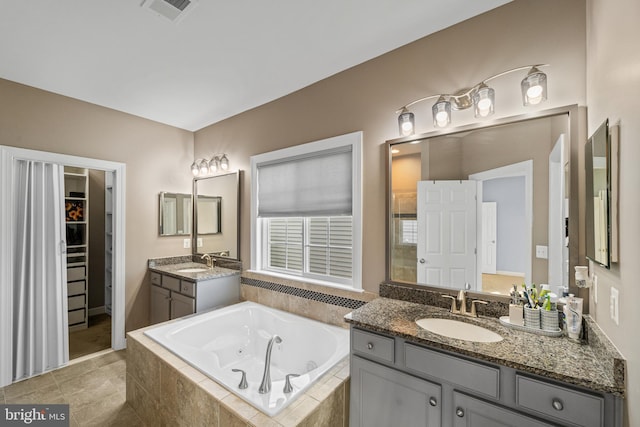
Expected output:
(576, 121)
(194, 236)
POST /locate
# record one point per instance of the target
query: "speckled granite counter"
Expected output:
(597, 366)
(194, 276)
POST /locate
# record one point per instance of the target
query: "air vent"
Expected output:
(173, 10)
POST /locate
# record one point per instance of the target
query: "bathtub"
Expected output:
(236, 337)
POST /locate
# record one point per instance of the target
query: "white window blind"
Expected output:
(319, 184)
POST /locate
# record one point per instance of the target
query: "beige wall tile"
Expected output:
(229, 419)
(144, 366)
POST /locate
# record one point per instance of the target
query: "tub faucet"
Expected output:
(209, 260)
(265, 385)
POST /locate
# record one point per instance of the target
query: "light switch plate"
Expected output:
(542, 251)
(199, 242)
(614, 305)
(186, 243)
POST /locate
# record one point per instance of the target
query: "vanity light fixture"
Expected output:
(203, 167)
(480, 96)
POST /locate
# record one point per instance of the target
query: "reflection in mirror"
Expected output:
(216, 215)
(175, 214)
(482, 209)
(209, 214)
(598, 179)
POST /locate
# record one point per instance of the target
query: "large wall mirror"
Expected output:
(175, 214)
(598, 185)
(484, 207)
(216, 215)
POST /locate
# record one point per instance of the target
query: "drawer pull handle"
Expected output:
(460, 412)
(557, 404)
(433, 401)
(370, 346)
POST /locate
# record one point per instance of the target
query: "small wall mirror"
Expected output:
(216, 215)
(483, 207)
(175, 214)
(209, 214)
(598, 184)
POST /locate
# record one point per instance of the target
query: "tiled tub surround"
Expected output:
(164, 390)
(322, 303)
(235, 337)
(597, 366)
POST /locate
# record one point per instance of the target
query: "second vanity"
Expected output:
(404, 375)
(184, 287)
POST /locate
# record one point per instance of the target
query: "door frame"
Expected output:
(7, 157)
(524, 169)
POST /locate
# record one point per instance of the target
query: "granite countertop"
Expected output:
(597, 366)
(209, 273)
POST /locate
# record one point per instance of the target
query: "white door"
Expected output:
(489, 236)
(447, 233)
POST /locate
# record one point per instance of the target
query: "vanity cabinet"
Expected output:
(172, 297)
(397, 382)
(387, 397)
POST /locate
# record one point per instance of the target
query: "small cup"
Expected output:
(532, 318)
(550, 320)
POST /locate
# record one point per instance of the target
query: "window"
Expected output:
(305, 206)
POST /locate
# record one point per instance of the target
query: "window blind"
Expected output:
(316, 185)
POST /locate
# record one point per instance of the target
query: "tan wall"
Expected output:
(367, 96)
(613, 85)
(157, 158)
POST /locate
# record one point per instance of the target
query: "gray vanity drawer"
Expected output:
(571, 406)
(373, 345)
(188, 288)
(156, 278)
(459, 372)
(172, 283)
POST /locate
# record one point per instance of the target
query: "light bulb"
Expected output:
(224, 162)
(213, 165)
(406, 122)
(534, 87)
(441, 113)
(194, 168)
(204, 167)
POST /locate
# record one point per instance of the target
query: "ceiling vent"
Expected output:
(173, 10)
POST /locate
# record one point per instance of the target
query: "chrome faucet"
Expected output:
(265, 385)
(209, 260)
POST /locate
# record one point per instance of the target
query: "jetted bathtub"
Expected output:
(236, 337)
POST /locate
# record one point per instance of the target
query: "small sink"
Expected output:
(458, 330)
(192, 270)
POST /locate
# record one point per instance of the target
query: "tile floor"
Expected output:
(95, 338)
(94, 388)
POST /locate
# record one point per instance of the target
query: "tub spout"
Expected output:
(265, 385)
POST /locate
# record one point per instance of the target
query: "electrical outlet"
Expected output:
(595, 289)
(199, 242)
(186, 243)
(542, 251)
(614, 305)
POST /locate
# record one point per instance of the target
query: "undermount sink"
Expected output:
(192, 270)
(458, 330)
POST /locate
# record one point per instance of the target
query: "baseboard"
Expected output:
(96, 310)
(510, 273)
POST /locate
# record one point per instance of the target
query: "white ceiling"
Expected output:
(222, 59)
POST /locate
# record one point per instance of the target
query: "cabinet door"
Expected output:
(160, 299)
(470, 412)
(181, 305)
(381, 396)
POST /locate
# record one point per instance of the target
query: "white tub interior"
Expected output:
(236, 337)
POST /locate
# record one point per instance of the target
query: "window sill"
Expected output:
(301, 279)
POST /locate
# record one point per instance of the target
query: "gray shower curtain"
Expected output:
(40, 325)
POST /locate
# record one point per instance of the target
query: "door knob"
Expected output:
(433, 401)
(460, 412)
(422, 261)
